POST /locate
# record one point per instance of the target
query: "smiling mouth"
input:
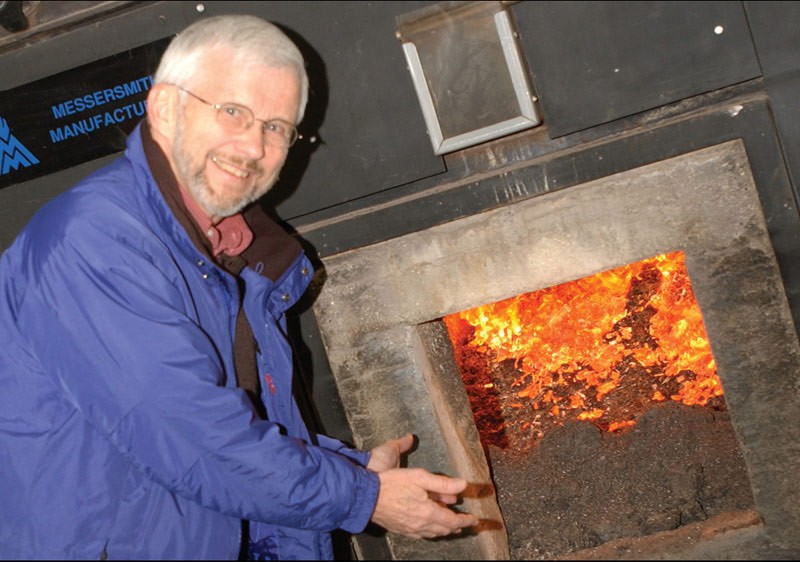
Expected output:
(231, 168)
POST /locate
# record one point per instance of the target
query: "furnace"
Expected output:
(380, 313)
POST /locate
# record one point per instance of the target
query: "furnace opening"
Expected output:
(600, 410)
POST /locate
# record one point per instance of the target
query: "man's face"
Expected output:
(223, 170)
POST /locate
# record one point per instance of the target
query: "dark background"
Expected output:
(619, 85)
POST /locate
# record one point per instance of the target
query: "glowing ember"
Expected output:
(599, 349)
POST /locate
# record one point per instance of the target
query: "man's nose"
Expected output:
(252, 142)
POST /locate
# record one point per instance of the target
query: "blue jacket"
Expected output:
(122, 432)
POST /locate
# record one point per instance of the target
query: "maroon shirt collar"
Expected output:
(231, 235)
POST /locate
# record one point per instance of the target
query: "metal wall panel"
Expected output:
(776, 34)
(594, 62)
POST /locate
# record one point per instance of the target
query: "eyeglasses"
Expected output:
(238, 118)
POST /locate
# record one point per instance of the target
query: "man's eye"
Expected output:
(275, 127)
(232, 111)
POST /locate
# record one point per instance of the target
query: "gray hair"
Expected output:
(253, 40)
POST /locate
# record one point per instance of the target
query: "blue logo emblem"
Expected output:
(12, 152)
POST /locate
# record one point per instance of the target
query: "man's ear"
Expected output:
(162, 109)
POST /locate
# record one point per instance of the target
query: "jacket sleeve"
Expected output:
(361, 457)
(111, 321)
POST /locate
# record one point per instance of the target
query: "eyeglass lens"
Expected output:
(238, 118)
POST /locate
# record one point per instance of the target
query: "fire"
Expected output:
(571, 351)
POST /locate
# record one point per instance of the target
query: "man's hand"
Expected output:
(387, 455)
(413, 502)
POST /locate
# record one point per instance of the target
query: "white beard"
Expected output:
(192, 174)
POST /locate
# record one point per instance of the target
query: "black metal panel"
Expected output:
(593, 62)
(776, 32)
(133, 25)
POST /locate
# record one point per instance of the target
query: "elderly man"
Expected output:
(147, 405)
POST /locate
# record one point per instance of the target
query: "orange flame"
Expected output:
(592, 334)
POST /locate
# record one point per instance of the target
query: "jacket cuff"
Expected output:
(367, 485)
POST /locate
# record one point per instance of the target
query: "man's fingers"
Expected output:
(449, 521)
(448, 499)
(438, 484)
(410, 502)
(405, 442)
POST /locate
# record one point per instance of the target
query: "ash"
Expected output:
(580, 487)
